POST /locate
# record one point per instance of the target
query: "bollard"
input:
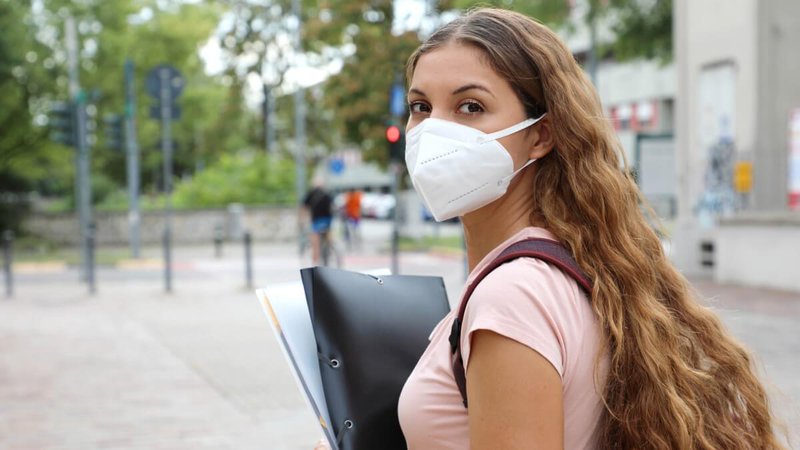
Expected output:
(8, 240)
(167, 238)
(90, 244)
(248, 259)
(218, 235)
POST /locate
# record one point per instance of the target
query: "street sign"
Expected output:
(397, 100)
(743, 177)
(174, 77)
(336, 166)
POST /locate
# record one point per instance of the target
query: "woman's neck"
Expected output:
(491, 225)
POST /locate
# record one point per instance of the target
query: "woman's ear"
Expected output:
(541, 139)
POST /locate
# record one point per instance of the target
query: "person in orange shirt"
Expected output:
(352, 217)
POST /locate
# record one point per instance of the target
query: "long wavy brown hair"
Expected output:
(676, 378)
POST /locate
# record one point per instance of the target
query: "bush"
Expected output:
(247, 177)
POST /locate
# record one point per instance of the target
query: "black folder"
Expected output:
(370, 333)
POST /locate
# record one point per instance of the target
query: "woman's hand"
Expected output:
(322, 444)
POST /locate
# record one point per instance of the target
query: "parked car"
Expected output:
(377, 205)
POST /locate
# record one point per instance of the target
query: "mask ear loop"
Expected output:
(509, 131)
(507, 180)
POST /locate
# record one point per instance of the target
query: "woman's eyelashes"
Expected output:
(467, 107)
(470, 107)
(418, 107)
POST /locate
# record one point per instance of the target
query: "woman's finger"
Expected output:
(322, 444)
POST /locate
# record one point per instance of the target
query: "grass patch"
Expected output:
(428, 243)
(69, 255)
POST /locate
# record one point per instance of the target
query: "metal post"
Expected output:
(593, 44)
(90, 244)
(218, 241)
(269, 120)
(248, 259)
(396, 170)
(299, 124)
(132, 151)
(8, 240)
(83, 189)
(85, 178)
(165, 244)
(166, 147)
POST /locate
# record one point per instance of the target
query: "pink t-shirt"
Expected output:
(533, 303)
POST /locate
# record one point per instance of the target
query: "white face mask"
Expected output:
(457, 169)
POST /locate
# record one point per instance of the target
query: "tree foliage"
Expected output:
(643, 29)
(250, 177)
(553, 12)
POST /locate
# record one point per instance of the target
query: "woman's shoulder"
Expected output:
(529, 277)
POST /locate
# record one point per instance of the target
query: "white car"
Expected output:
(376, 205)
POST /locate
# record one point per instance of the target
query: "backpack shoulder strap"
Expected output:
(545, 250)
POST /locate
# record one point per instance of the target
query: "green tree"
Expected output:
(643, 29)
(26, 78)
(150, 33)
(358, 96)
(553, 12)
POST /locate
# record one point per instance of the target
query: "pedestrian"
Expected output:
(318, 206)
(352, 217)
(507, 133)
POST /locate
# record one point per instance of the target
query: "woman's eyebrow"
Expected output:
(468, 87)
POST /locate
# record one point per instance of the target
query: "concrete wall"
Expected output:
(190, 227)
(758, 39)
(709, 33)
(759, 251)
(778, 92)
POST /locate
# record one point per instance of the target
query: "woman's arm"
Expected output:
(515, 396)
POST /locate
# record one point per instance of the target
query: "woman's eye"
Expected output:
(419, 107)
(470, 108)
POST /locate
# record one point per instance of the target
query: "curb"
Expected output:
(39, 267)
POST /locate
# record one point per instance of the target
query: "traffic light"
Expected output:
(113, 132)
(396, 138)
(62, 123)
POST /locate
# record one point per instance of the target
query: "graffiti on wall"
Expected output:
(718, 198)
(716, 130)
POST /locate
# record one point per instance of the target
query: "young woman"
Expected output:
(638, 363)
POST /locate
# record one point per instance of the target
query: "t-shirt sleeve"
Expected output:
(519, 300)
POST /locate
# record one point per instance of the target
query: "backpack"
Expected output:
(545, 250)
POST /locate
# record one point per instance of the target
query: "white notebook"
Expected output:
(286, 308)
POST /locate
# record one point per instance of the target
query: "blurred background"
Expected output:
(154, 155)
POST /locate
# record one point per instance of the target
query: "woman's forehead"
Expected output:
(453, 64)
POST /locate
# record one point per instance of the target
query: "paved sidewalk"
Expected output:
(135, 368)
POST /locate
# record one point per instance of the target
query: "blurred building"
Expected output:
(738, 135)
(639, 99)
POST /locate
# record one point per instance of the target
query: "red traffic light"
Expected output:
(392, 134)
